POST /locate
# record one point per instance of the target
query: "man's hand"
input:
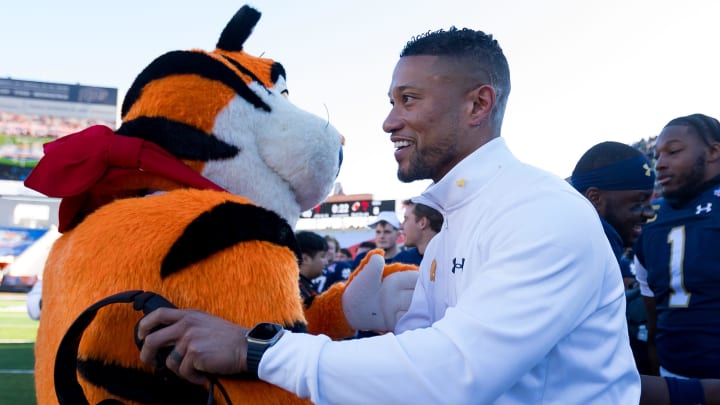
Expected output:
(203, 343)
(376, 296)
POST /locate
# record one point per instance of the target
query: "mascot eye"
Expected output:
(285, 93)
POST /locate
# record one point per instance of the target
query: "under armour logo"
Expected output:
(458, 266)
(700, 209)
(648, 170)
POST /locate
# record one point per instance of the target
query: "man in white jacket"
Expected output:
(519, 298)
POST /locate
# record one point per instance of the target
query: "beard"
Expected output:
(690, 182)
(427, 162)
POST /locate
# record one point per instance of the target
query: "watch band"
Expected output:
(254, 354)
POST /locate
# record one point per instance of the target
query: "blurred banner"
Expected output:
(33, 113)
(13, 241)
(22, 256)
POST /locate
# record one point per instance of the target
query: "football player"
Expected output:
(677, 255)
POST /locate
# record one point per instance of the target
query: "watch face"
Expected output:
(264, 331)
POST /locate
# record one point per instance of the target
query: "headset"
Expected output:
(67, 386)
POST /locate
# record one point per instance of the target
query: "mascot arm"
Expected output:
(374, 298)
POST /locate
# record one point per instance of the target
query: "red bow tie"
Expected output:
(74, 164)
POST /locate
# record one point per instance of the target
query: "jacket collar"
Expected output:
(469, 176)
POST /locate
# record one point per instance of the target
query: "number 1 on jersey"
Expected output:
(679, 297)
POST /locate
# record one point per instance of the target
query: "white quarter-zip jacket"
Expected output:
(519, 301)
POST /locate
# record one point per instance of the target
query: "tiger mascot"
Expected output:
(194, 197)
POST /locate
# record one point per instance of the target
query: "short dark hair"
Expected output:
(368, 244)
(425, 211)
(605, 154)
(311, 243)
(707, 128)
(481, 50)
(346, 252)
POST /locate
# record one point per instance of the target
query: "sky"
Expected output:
(582, 72)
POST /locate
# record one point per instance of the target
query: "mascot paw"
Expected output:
(376, 295)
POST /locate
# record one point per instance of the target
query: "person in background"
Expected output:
(618, 180)
(603, 175)
(387, 232)
(514, 303)
(364, 247)
(343, 255)
(333, 247)
(313, 250)
(335, 271)
(420, 224)
(677, 254)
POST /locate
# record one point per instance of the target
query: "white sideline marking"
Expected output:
(17, 372)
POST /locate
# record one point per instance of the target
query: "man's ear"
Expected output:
(713, 154)
(596, 197)
(483, 102)
(423, 223)
(305, 258)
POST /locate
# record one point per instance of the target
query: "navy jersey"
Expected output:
(335, 272)
(307, 291)
(618, 248)
(680, 249)
(408, 256)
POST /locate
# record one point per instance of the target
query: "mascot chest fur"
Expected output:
(250, 279)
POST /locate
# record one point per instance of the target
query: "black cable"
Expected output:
(214, 381)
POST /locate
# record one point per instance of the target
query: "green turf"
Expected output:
(18, 163)
(17, 337)
(15, 324)
(17, 139)
(17, 389)
(16, 356)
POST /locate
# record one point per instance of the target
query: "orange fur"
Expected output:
(326, 316)
(397, 267)
(389, 268)
(121, 246)
(186, 90)
(260, 66)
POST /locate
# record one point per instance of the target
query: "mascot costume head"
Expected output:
(194, 197)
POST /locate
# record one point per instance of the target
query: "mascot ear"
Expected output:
(238, 29)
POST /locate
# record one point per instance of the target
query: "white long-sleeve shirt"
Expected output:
(519, 301)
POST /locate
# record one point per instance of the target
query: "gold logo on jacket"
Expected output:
(433, 270)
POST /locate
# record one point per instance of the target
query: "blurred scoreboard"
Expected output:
(352, 208)
(73, 101)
